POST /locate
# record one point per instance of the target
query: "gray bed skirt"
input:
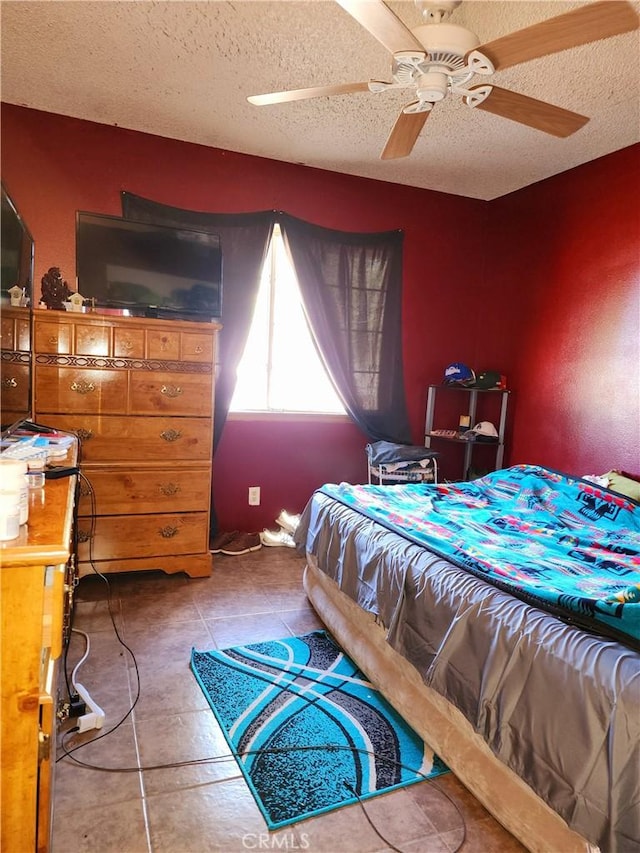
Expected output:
(439, 723)
(539, 719)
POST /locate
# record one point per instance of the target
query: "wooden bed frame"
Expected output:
(510, 800)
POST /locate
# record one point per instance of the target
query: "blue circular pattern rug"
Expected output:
(309, 731)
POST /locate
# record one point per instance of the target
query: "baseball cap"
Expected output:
(484, 431)
(458, 373)
(489, 379)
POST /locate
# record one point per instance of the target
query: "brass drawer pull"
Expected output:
(85, 490)
(199, 350)
(84, 434)
(82, 387)
(171, 390)
(53, 340)
(171, 434)
(168, 532)
(84, 536)
(128, 344)
(169, 489)
(9, 382)
(44, 746)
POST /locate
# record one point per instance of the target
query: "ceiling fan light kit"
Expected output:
(437, 59)
(432, 86)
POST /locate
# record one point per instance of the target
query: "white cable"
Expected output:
(87, 642)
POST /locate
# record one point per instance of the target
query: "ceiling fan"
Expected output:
(438, 59)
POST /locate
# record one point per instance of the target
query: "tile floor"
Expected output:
(207, 806)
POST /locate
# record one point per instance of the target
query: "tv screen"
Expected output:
(148, 270)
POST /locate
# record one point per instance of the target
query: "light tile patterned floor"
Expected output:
(207, 806)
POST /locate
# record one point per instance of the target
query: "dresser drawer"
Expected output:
(15, 325)
(197, 347)
(127, 492)
(123, 536)
(128, 343)
(72, 389)
(80, 334)
(166, 393)
(137, 439)
(92, 339)
(15, 388)
(53, 337)
(163, 344)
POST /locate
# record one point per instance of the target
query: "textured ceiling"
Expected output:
(183, 70)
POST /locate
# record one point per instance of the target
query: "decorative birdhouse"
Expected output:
(77, 301)
(17, 294)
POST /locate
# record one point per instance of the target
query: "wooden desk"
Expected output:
(33, 588)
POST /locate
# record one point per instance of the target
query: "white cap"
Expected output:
(485, 428)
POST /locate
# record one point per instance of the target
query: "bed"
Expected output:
(526, 683)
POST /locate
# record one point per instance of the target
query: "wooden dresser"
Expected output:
(139, 395)
(35, 590)
(16, 360)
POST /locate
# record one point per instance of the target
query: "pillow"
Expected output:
(624, 485)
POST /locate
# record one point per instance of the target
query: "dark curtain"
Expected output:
(244, 238)
(351, 287)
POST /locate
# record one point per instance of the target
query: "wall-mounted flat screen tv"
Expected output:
(148, 270)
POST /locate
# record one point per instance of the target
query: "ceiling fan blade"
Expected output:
(303, 94)
(596, 21)
(537, 114)
(403, 135)
(383, 24)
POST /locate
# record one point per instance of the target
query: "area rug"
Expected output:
(309, 731)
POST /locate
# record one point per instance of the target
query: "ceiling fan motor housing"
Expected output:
(446, 44)
(443, 64)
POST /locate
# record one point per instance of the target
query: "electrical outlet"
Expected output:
(254, 495)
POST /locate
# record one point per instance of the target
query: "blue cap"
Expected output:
(459, 374)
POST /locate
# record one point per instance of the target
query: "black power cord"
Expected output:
(91, 494)
(57, 472)
(69, 753)
(329, 747)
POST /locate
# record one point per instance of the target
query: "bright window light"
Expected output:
(280, 369)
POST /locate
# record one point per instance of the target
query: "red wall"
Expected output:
(53, 166)
(545, 275)
(566, 254)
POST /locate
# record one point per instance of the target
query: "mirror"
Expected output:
(16, 291)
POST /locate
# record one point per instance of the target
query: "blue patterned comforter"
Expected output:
(558, 542)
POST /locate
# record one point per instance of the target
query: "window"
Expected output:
(280, 369)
